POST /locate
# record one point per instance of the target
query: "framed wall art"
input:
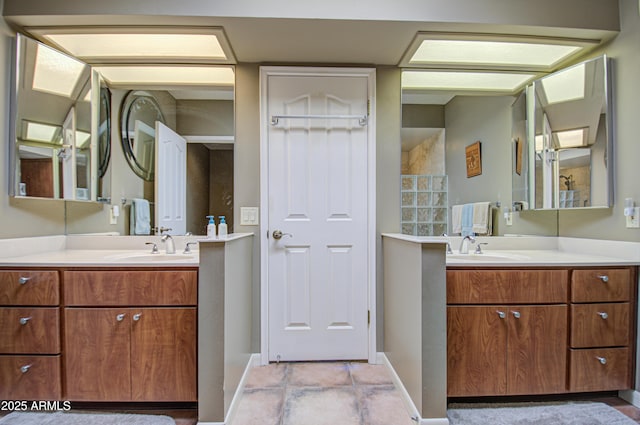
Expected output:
(474, 159)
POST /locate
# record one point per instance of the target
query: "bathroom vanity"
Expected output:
(525, 331)
(530, 316)
(119, 324)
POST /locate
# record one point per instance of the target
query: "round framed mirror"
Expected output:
(104, 132)
(138, 116)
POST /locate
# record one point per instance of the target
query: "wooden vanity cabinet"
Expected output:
(506, 332)
(30, 335)
(130, 335)
(602, 331)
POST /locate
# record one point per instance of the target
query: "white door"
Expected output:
(170, 180)
(318, 198)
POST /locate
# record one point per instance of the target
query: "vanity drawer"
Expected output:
(29, 287)
(30, 378)
(599, 369)
(600, 285)
(132, 288)
(507, 286)
(600, 325)
(30, 330)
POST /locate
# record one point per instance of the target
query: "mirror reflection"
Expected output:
(572, 137)
(52, 127)
(204, 118)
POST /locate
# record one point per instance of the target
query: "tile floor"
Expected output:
(321, 394)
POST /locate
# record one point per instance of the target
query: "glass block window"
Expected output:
(424, 205)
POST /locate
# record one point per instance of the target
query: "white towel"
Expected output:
(140, 217)
(456, 219)
(482, 218)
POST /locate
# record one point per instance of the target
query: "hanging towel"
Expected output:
(481, 218)
(140, 217)
(456, 219)
(467, 220)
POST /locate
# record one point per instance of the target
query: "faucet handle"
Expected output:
(187, 248)
(154, 249)
(479, 248)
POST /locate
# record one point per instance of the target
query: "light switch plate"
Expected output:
(249, 216)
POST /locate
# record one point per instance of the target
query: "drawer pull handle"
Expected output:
(516, 314)
(137, 316)
(604, 278)
(25, 368)
(23, 279)
(602, 360)
(501, 314)
(120, 317)
(603, 315)
(24, 320)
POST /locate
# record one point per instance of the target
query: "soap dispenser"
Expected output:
(211, 227)
(222, 228)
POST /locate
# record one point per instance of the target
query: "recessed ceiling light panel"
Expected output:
(464, 80)
(168, 75)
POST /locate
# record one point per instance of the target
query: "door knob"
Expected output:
(277, 234)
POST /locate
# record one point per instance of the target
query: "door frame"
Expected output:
(370, 74)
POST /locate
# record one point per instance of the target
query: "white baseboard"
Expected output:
(409, 404)
(254, 360)
(630, 396)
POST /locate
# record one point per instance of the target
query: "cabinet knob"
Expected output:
(137, 316)
(25, 368)
(602, 360)
(23, 279)
(603, 315)
(24, 320)
(120, 317)
(604, 278)
(501, 314)
(516, 314)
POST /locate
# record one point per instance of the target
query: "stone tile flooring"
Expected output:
(321, 394)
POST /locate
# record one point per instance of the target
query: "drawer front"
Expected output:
(135, 287)
(30, 378)
(24, 287)
(507, 286)
(30, 330)
(600, 369)
(600, 285)
(600, 325)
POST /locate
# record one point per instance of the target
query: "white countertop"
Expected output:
(115, 251)
(534, 251)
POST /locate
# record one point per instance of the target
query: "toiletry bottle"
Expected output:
(222, 228)
(211, 227)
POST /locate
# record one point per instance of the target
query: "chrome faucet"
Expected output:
(171, 247)
(464, 246)
(449, 250)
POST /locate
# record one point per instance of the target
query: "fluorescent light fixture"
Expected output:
(168, 75)
(55, 73)
(571, 138)
(122, 44)
(491, 51)
(82, 139)
(464, 80)
(566, 85)
(539, 142)
(37, 132)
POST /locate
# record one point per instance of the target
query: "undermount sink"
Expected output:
(493, 256)
(144, 257)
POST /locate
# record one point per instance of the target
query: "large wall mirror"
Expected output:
(570, 141)
(53, 141)
(204, 117)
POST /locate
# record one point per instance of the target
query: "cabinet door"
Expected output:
(97, 346)
(30, 330)
(163, 354)
(537, 349)
(476, 351)
(30, 378)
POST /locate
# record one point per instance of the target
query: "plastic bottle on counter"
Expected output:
(211, 227)
(222, 228)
